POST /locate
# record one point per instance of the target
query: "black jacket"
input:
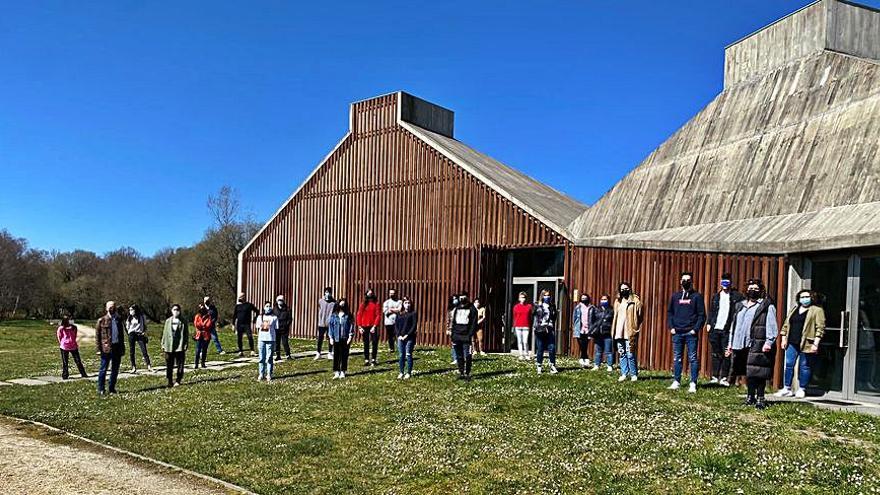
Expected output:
(285, 318)
(601, 324)
(735, 297)
(244, 315)
(545, 320)
(405, 325)
(464, 322)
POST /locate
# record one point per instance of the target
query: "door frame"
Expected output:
(534, 281)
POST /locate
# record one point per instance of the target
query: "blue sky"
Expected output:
(118, 118)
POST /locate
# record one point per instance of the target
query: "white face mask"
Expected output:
(131, 312)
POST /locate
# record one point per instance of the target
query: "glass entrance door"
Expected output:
(830, 278)
(532, 286)
(867, 340)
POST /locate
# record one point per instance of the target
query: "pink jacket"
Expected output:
(67, 338)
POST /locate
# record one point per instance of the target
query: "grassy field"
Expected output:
(508, 431)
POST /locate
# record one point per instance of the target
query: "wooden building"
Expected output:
(778, 177)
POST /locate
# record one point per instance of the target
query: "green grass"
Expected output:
(508, 431)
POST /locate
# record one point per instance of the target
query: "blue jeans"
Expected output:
(545, 340)
(627, 350)
(266, 364)
(679, 341)
(201, 354)
(405, 354)
(216, 339)
(110, 361)
(805, 370)
(602, 346)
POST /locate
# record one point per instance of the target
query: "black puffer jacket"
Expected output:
(285, 319)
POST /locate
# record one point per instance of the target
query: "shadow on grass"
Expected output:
(437, 371)
(490, 374)
(370, 371)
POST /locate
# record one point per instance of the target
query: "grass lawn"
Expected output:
(508, 431)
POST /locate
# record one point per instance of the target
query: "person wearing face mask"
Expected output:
(282, 332)
(110, 342)
(752, 342)
(340, 331)
(175, 340)
(66, 334)
(685, 316)
(450, 312)
(627, 324)
(464, 325)
(243, 319)
(718, 325)
(581, 323)
(136, 326)
(215, 320)
(545, 332)
(522, 323)
(202, 336)
(481, 323)
(267, 326)
(603, 316)
(801, 332)
(390, 309)
(368, 317)
(405, 329)
(326, 306)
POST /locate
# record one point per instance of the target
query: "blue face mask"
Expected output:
(546, 299)
(725, 284)
(268, 311)
(806, 301)
(604, 304)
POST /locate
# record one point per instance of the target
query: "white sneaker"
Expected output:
(553, 369)
(586, 362)
(482, 353)
(692, 388)
(622, 378)
(329, 355)
(400, 376)
(341, 374)
(539, 369)
(610, 368)
(713, 380)
(407, 376)
(595, 367)
(784, 392)
(335, 375)
(454, 362)
(634, 378)
(317, 356)
(133, 371)
(269, 379)
(581, 362)
(674, 386)
(800, 394)
(259, 378)
(723, 382)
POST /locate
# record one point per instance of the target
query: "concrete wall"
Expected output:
(853, 29)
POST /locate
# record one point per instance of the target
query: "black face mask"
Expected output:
(585, 301)
(625, 293)
(686, 284)
(754, 294)
(394, 297)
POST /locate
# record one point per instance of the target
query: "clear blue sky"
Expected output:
(118, 118)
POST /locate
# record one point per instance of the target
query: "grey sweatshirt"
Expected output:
(325, 309)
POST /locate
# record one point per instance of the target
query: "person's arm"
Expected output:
(820, 325)
(713, 310)
(772, 329)
(701, 313)
(377, 320)
(731, 332)
(481, 316)
(98, 336)
(472, 322)
(58, 334)
(670, 311)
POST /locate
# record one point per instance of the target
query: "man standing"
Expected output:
(212, 312)
(686, 315)
(390, 309)
(282, 330)
(464, 325)
(242, 318)
(718, 324)
(326, 305)
(109, 339)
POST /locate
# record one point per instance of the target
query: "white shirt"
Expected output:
(620, 331)
(723, 310)
(387, 307)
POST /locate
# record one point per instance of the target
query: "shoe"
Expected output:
(335, 375)
(253, 354)
(176, 384)
(713, 380)
(196, 366)
(482, 353)
(553, 369)
(221, 352)
(521, 357)
(622, 378)
(150, 369)
(133, 371)
(454, 362)
(374, 363)
(595, 367)
(407, 376)
(760, 404)
(240, 354)
(341, 374)
(800, 394)
(366, 362)
(723, 382)
(586, 362)
(259, 378)
(269, 379)
(317, 356)
(634, 378)
(539, 369)
(610, 368)
(170, 385)
(460, 376)
(750, 401)
(674, 386)
(400, 376)
(783, 392)
(692, 388)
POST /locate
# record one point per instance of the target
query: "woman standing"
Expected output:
(136, 326)
(450, 312)
(582, 319)
(481, 322)
(545, 331)
(267, 326)
(405, 328)
(801, 331)
(369, 315)
(175, 340)
(522, 322)
(752, 341)
(340, 331)
(626, 325)
(603, 318)
(203, 324)
(66, 334)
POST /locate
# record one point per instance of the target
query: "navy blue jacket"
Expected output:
(686, 312)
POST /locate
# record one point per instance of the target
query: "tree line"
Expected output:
(48, 284)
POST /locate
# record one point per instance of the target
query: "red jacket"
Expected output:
(203, 327)
(522, 315)
(369, 315)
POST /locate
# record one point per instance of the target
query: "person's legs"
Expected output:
(468, 358)
(179, 359)
(479, 341)
(751, 390)
(609, 355)
(287, 346)
(693, 361)
(131, 340)
(621, 352)
(458, 348)
(169, 368)
(79, 363)
(401, 358)
(520, 341)
(584, 345)
(791, 355)
(805, 369)
(410, 348)
(389, 335)
(142, 343)
(337, 359)
(271, 363)
(216, 339)
(631, 355)
(375, 338)
(760, 385)
(264, 357)
(319, 345)
(239, 336)
(539, 348)
(64, 363)
(365, 337)
(115, 361)
(204, 356)
(716, 338)
(342, 348)
(102, 371)
(551, 348)
(677, 351)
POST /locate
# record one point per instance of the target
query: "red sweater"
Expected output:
(369, 315)
(203, 327)
(522, 315)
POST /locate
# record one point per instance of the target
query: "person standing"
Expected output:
(685, 316)
(545, 331)
(581, 326)
(267, 326)
(752, 341)
(326, 306)
(801, 332)
(368, 317)
(215, 320)
(390, 309)
(111, 346)
(627, 324)
(202, 336)
(66, 334)
(136, 326)
(175, 341)
(340, 331)
(481, 323)
(450, 314)
(718, 325)
(243, 319)
(603, 318)
(522, 323)
(405, 328)
(464, 325)
(282, 332)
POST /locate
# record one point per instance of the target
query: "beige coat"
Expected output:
(632, 308)
(814, 326)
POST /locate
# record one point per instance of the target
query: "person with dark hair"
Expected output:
(464, 324)
(522, 323)
(175, 340)
(603, 318)
(405, 327)
(545, 331)
(685, 316)
(481, 323)
(450, 313)
(243, 318)
(326, 306)
(215, 320)
(282, 331)
(368, 317)
(136, 326)
(111, 346)
(267, 326)
(627, 324)
(66, 334)
(752, 341)
(801, 332)
(202, 336)
(718, 326)
(390, 309)
(340, 331)
(581, 325)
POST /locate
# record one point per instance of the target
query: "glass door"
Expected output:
(533, 286)
(867, 339)
(830, 278)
